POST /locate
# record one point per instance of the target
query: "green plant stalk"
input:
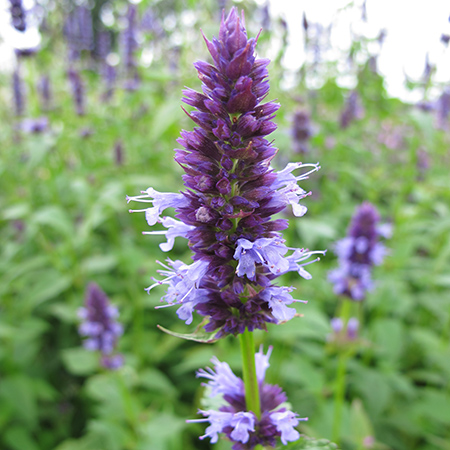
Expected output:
(339, 393)
(249, 371)
(252, 398)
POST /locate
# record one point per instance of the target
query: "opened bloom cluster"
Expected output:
(243, 427)
(231, 194)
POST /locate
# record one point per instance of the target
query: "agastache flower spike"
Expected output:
(358, 253)
(18, 16)
(243, 427)
(100, 327)
(231, 194)
(18, 92)
(77, 91)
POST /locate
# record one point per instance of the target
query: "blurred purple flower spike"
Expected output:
(18, 15)
(100, 327)
(301, 132)
(18, 92)
(358, 253)
(77, 91)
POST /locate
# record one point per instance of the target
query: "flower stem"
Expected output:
(249, 370)
(339, 393)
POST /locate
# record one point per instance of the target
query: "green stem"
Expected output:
(339, 393)
(249, 370)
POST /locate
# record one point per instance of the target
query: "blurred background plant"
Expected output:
(90, 112)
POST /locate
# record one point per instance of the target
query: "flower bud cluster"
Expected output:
(344, 332)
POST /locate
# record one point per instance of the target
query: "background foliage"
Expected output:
(64, 223)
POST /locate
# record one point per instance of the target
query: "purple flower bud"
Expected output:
(109, 77)
(34, 126)
(301, 131)
(336, 324)
(443, 110)
(18, 93)
(18, 17)
(77, 91)
(45, 92)
(118, 152)
(352, 111)
(357, 253)
(100, 327)
(352, 328)
(241, 426)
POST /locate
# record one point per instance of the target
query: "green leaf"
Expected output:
(435, 405)
(360, 423)
(49, 286)
(18, 438)
(373, 387)
(56, 218)
(162, 432)
(99, 264)
(198, 335)
(108, 436)
(156, 381)
(79, 361)
(18, 392)
(310, 444)
(389, 335)
(17, 211)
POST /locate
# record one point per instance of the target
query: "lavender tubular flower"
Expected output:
(231, 193)
(100, 327)
(243, 427)
(358, 253)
